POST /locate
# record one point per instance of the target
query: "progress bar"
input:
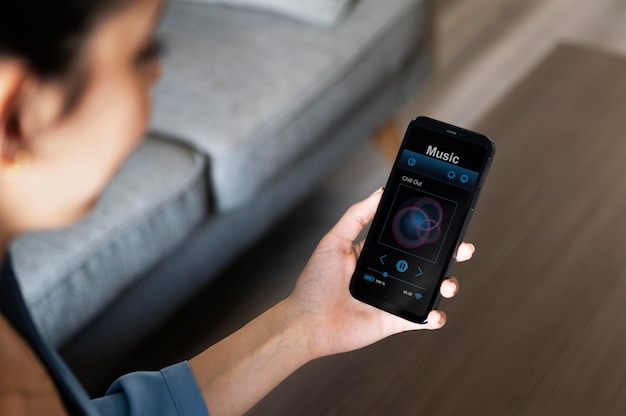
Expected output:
(385, 274)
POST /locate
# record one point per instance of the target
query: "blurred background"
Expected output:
(497, 66)
(482, 48)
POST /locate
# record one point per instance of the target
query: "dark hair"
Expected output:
(48, 34)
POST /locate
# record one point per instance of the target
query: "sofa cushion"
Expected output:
(319, 12)
(68, 276)
(254, 91)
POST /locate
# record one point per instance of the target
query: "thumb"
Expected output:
(357, 217)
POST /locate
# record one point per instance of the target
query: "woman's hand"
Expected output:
(319, 318)
(333, 320)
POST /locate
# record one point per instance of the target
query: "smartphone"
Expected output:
(424, 212)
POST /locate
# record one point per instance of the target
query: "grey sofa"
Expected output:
(252, 111)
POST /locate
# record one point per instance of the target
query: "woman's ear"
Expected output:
(28, 106)
(12, 76)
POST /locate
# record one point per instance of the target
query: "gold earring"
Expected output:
(14, 164)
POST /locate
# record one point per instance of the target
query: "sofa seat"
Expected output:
(253, 110)
(255, 92)
(71, 276)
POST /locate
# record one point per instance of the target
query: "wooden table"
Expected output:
(539, 327)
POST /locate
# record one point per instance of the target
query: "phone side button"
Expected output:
(475, 199)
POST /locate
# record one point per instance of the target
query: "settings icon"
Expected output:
(451, 174)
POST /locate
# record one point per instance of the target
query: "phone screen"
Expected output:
(422, 216)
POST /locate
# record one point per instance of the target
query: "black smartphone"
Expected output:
(423, 214)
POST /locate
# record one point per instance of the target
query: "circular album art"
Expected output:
(418, 222)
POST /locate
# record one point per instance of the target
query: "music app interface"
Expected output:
(416, 229)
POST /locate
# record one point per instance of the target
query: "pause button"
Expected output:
(402, 266)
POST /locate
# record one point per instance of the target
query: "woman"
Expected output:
(75, 77)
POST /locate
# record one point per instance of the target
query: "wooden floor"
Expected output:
(539, 327)
(484, 47)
